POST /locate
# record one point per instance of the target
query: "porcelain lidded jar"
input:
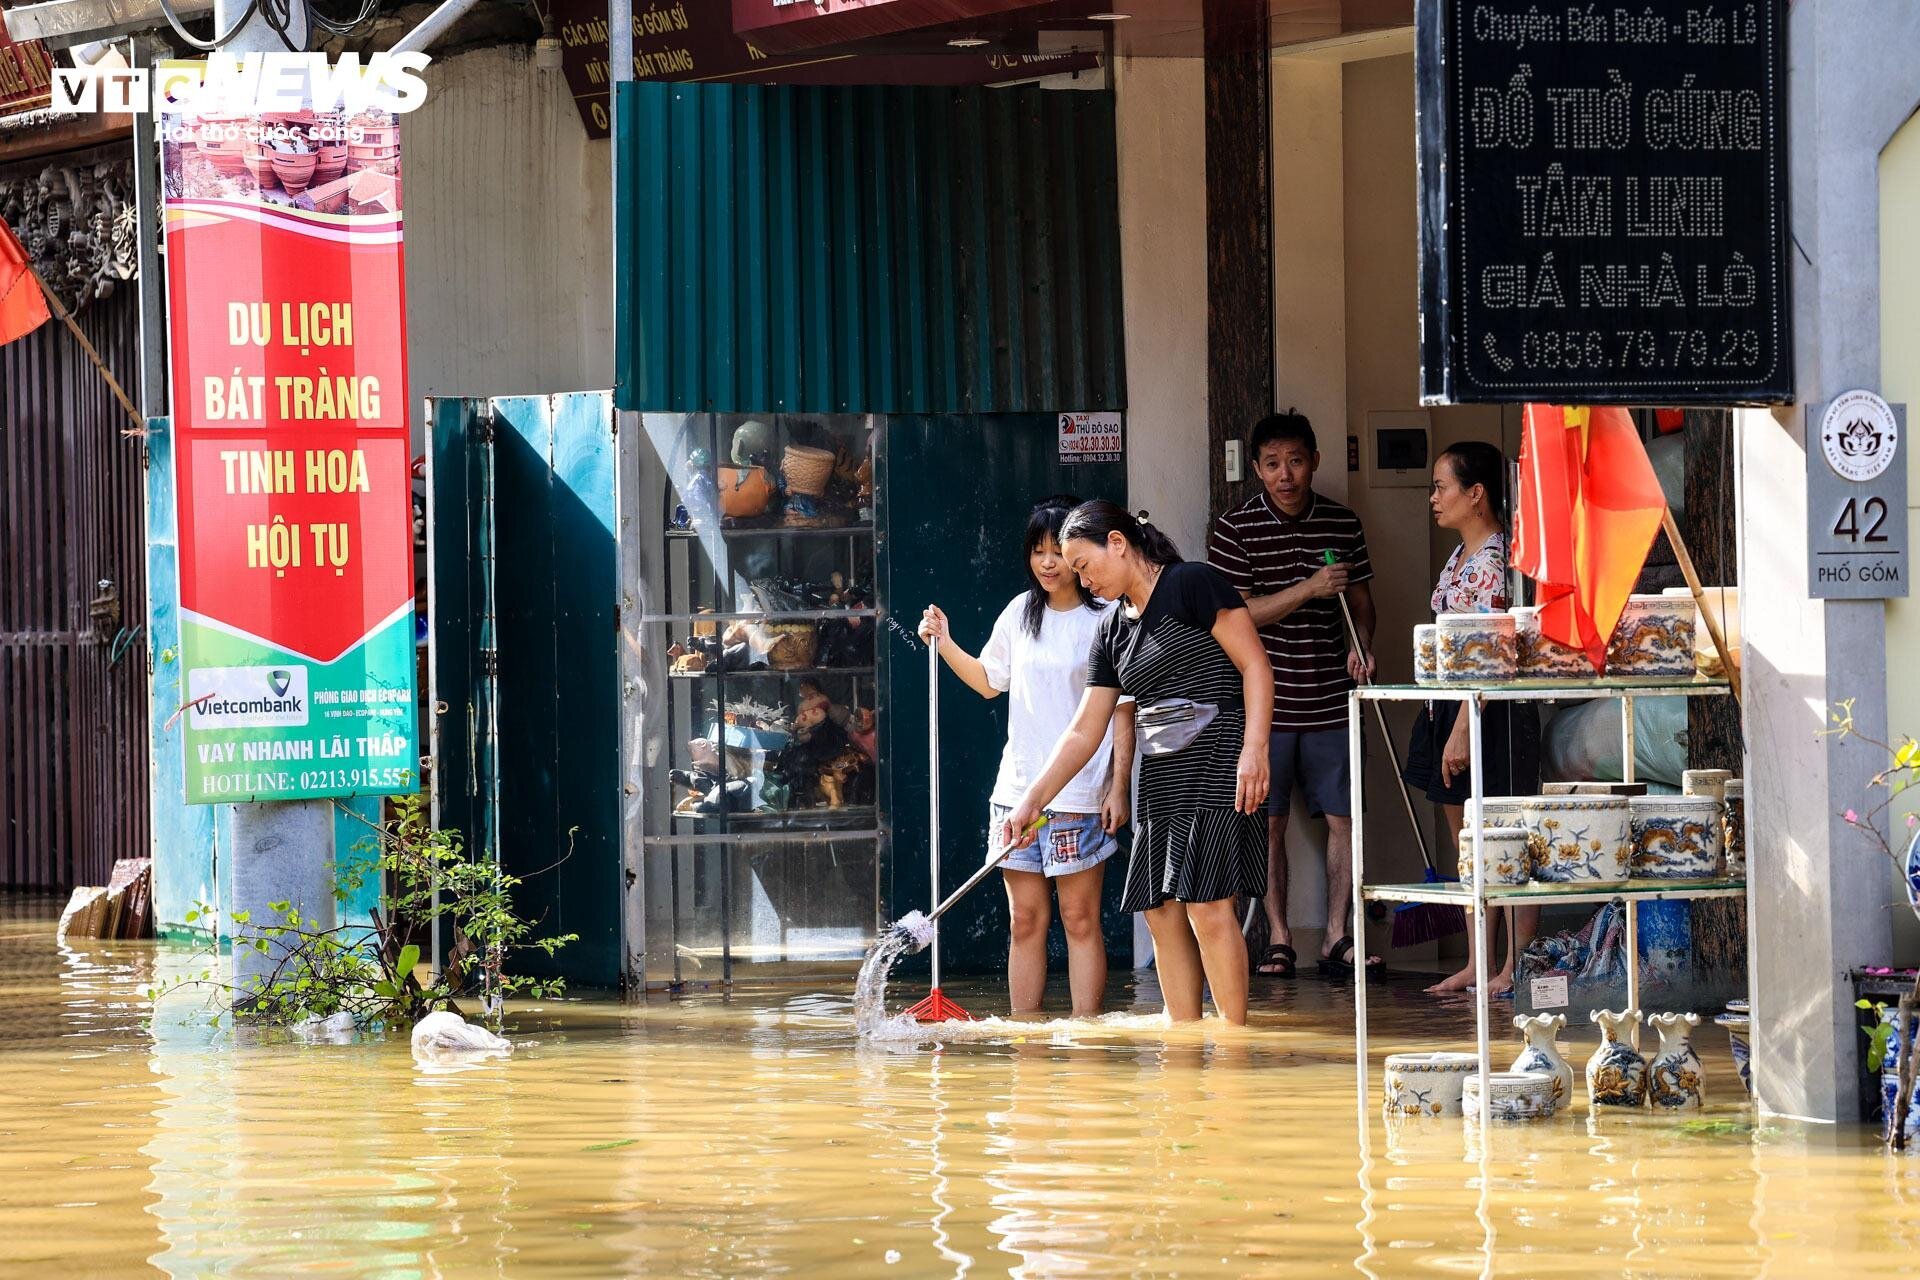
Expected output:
(1616, 1073)
(1654, 639)
(1582, 839)
(1544, 659)
(1427, 1084)
(1514, 1095)
(1674, 1076)
(1505, 852)
(1733, 841)
(1542, 1054)
(1676, 837)
(1476, 648)
(1739, 1026)
(1426, 653)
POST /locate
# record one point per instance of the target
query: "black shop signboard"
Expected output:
(1603, 202)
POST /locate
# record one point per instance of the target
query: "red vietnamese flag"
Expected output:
(1589, 508)
(23, 308)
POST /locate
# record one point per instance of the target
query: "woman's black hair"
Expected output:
(1475, 462)
(1095, 520)
(1048, 515)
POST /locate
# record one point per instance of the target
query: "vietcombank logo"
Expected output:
(247, 697)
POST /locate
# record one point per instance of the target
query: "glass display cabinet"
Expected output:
(763, 837)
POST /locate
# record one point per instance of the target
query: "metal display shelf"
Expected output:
(779, 531)
(1475, 896)
(772, 673)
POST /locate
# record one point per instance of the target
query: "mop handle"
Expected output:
(933, 790)
(1380, 718)
(981, 874)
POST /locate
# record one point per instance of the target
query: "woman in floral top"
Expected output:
(1469, 488)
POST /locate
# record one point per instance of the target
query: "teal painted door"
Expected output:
(955, 495)
(525, 593)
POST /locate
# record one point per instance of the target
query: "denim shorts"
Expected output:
(1069, 842)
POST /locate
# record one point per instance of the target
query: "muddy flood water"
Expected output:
(754, 1134)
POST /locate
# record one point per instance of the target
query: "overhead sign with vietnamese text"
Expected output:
(1603, 195)
(26, 73)
(286, 301)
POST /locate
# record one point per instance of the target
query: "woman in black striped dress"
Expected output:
(1200, 836)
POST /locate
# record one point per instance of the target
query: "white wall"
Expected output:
(1163, 273)
(509, 235)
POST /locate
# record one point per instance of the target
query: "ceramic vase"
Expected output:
(1543, 659)
(1739, 1027)
(1674, 1077)
(1616, 1073)
(1476, 648)
(1426, 656)
(1506, 855)
(1427, 1084)
(1705, 782)
(1543, 1054)
(1889, 1095)
(1515, 1095)
(1654, 639)
(1733, 835)
(1504, 811)
(1675, 837)
(1581, 838)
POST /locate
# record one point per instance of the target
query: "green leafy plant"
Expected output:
(1887, 786)
(372, 969)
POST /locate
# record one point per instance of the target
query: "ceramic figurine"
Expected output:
(1733, 842)
(1739, 1025)
(1426, 658)
(1506, 855)
(1517, 1095)
(1582, 838)
(1654, 639)
(1542, 1054)
(1674, 1076)
(1616, 1073)
(1427, 1084)
(1475, 648)
(1676, 837)
(1544, 659)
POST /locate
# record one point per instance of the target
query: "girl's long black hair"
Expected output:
(1095, 520)
(1048, 515)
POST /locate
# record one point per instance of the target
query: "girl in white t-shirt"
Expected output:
(1037, 656)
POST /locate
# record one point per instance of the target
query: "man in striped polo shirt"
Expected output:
(1273, 548)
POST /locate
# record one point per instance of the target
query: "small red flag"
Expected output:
(23, 308)
(1590, 505)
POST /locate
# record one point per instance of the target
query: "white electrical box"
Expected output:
(1399, 448)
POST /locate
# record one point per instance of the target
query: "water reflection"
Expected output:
(722, 1136)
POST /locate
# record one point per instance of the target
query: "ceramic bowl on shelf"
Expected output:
(1676, 837)
(1544, 659)
(1515, 1095)
(1506, 855)
(1476, 648)
(1427, 1084)
(1426, 657)
(1654, 639)
(1582, 839)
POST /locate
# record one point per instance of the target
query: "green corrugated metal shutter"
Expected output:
(869, 250)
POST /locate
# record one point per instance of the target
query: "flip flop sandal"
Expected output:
(1277, 955)
(1340, 963)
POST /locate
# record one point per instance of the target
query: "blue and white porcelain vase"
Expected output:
(1675, 1076)
(1543, 1054)
(1739, 1025)
(1616, 1073)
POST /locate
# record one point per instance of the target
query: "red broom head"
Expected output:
(937, 1008)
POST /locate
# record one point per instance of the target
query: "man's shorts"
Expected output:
(1069, 842)
(1317, 761)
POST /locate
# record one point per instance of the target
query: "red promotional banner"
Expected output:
(286, 295)
(26, 73)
